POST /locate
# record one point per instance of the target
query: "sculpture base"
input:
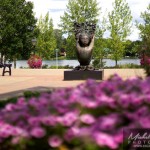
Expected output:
(84, 74)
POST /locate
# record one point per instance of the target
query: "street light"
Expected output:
(34, 43)
(56, 51)
(0, 42)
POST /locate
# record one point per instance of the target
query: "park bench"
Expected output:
(4, 66)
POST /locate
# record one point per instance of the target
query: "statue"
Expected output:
(84, 34)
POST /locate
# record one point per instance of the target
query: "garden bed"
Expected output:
(91, 116)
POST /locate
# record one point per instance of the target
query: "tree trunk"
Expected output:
(101, 63)
(1, 58)
(116, 63)
(15, 63)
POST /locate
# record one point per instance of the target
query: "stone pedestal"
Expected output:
(84, 74)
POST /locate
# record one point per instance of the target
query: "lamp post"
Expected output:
(0, 53)
(34, 43)
(56, 51)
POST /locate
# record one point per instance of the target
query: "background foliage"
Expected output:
(17, 23)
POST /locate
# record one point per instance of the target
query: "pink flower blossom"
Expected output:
(103, 139)
(55, 141)
(38, 132)
(87, 119)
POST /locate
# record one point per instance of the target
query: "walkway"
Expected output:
(44, 79)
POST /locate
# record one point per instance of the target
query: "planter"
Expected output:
(35, 62)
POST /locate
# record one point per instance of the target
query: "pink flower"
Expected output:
(10, 107)
(38, 132)
(55, 141)
(87, 119)
(68, 119)
(103, 139)
(71, 133)
(35, 61)
(15, 140)
(34, 121)
(49, 121)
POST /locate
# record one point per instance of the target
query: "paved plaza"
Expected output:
(45, 79)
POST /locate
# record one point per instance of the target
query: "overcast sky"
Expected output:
(56, 8)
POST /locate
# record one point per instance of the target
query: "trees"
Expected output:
(144, 28)
(100, 44)
(17, 23)
(70, 47)
(120, 26)
(79, 11)
(60, 40)
(132, 48)
(46, 42)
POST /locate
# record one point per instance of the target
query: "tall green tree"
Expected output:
(120, 20)
(100, 44)
(144, 28)
(46, 42)
(79, 11)
(17, 23)
(70, 47)
(59, 38)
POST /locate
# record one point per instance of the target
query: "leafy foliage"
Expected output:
(60, 40)
(46, 42)
(132, 48)
(79, 11)
(70, 46)
(144, 28)
(100, 50)
(17, 23)
(120, 27)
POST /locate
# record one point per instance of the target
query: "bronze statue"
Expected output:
(84, 34)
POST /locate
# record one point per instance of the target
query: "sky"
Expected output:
(56, 9)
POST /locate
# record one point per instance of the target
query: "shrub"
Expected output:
(61, 67)
(45, 66)
(35, 62)
(123, 66)
(145, 62)
(91, 116)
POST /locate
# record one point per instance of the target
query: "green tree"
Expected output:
(46, 42)
(132, 48)
(79, 11)
(120, 20)
(17, 23)
(59, 38)
(70, 47)
(144, 28)
(100, 44)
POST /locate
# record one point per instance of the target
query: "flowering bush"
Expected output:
(35, 61)
(91, 116)
(145, 62)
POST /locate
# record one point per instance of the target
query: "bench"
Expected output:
(4, 66)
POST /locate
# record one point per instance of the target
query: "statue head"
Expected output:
(84, 39)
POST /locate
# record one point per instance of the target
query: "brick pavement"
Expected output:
(45, 79)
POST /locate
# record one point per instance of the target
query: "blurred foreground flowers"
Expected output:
(91, 116)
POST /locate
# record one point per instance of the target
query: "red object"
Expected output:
(35, 62)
